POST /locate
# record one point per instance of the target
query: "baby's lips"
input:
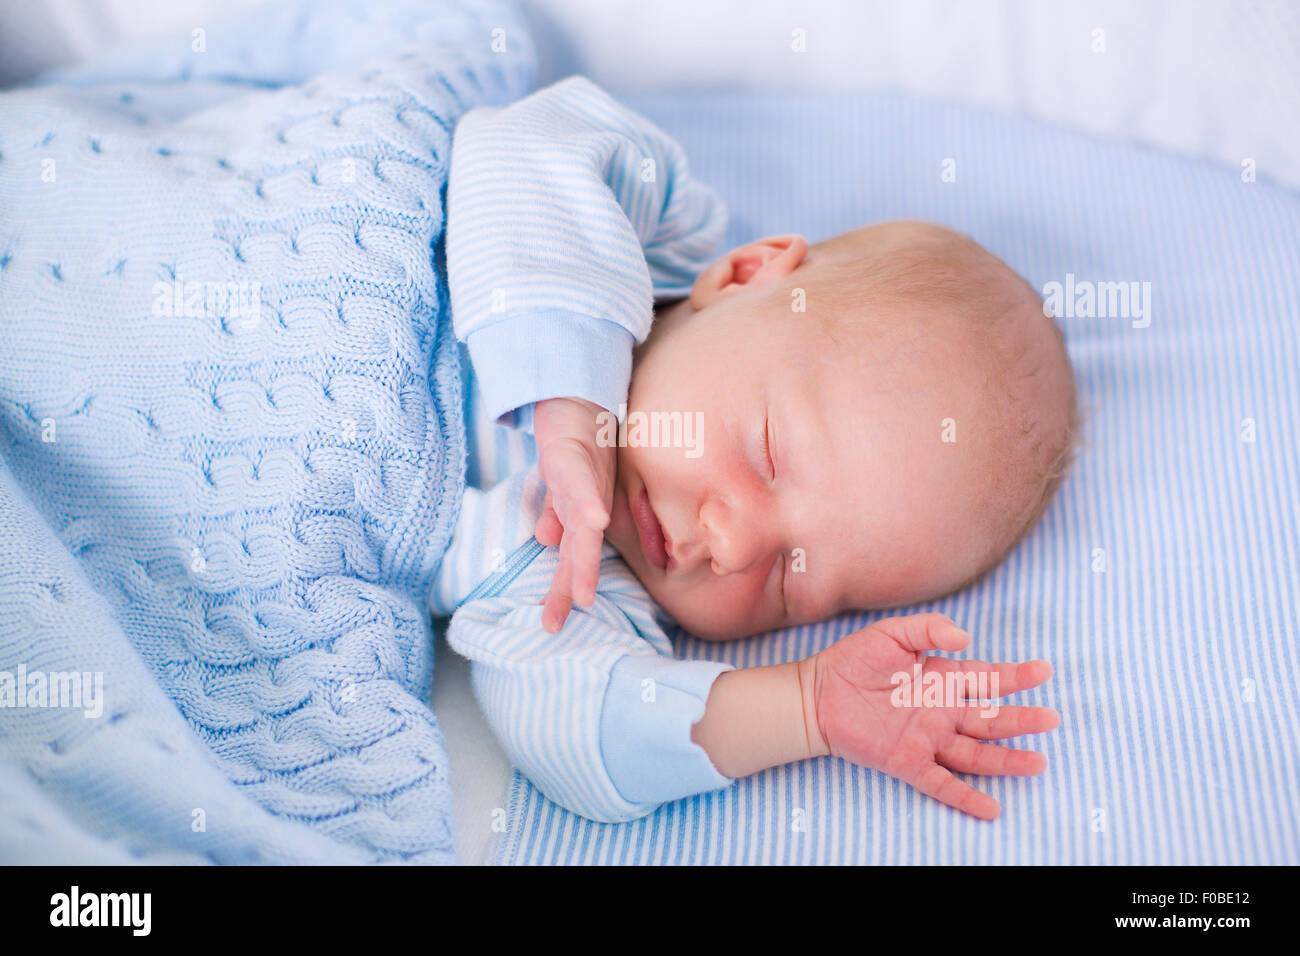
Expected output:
(649, 531)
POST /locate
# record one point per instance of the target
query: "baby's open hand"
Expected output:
(867, 714)
(579, 476)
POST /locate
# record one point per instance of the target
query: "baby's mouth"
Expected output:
(651, 533)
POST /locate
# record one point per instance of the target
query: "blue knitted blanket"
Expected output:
(231, 444)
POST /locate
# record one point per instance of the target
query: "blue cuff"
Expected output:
(651, 703)
(526, 358)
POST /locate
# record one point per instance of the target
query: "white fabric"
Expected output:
(1216, 78)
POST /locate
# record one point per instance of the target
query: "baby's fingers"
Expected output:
(924, 632)
(1001, 679)
(1007, 722)
(965, 755)
(584, 545)
(575, 576)
(938, 782)
(580, 544)
(571, 479)
(548, 530)
(559, 599)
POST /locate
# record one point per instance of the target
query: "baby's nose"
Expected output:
(734, 541)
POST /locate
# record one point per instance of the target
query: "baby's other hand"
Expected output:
(867, 714)
(579, 475)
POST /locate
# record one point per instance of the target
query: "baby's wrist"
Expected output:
(808, 670)
(754, 719)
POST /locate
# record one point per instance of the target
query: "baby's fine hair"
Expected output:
(965, 290)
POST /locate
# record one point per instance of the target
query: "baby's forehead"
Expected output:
(914, 403)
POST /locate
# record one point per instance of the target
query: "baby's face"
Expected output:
(815, 479)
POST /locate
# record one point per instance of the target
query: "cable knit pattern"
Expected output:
(228, 382)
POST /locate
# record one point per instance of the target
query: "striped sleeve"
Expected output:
(567, 214)
(597, 716)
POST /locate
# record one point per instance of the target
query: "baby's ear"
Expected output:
(760, 263)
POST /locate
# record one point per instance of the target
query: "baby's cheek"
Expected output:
(721, 608)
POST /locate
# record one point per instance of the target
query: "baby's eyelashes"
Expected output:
(765, 443)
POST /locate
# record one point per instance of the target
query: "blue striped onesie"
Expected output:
(567, 217)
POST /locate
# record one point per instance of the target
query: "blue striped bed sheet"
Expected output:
(1162, 582)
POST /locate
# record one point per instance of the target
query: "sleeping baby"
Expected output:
(737, 444)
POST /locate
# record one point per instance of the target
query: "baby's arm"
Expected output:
(598, 716)
(605, 722)
(567, 215)
(847, 701)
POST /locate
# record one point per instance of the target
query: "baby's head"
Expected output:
(882, 416)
